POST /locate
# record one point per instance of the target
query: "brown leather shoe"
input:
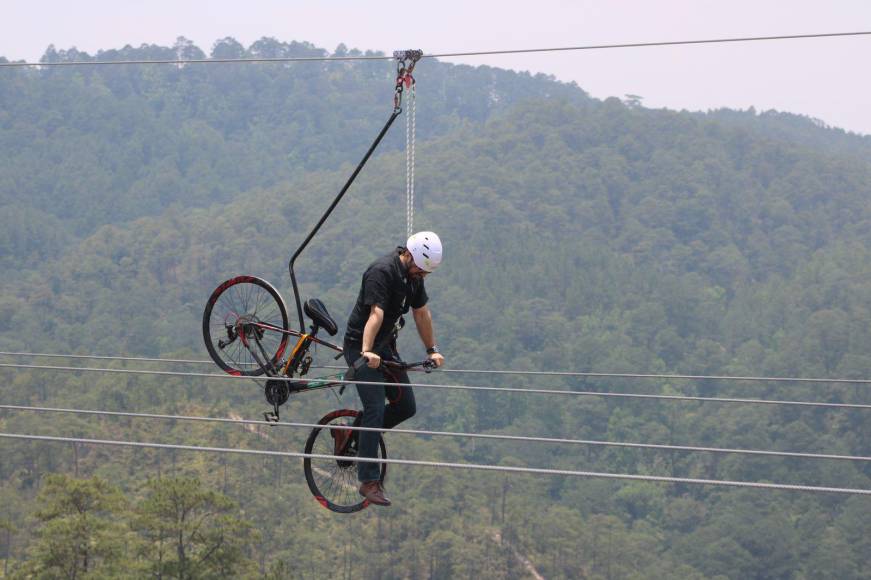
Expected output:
(340, 438)
(374, 492)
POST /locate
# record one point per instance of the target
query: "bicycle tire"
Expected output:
(335, 488)
(253, 299)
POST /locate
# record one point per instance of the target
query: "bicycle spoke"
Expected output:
(243, 295)
(350, 488)
(259, 304)
(232, 306)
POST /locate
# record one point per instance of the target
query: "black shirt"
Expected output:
(387, 285)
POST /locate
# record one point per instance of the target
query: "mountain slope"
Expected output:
(579, 236)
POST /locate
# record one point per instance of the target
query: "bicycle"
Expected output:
(246, 332)
(245, 328)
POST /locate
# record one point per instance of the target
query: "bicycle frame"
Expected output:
(304, 341)
(297, 364)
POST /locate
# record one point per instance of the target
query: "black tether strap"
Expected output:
(406, 61)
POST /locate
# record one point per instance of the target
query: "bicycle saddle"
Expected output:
(316, 310)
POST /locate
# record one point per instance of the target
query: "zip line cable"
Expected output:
(596, 375)
(289, 59)
(488, 372)
(448, 465)
(410, 137)
(337, 382)
(518, 438)
(117, 358)
(652, 44)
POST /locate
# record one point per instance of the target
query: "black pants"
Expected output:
(376, 413)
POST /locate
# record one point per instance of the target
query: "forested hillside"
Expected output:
(117, 143)
(580, 235)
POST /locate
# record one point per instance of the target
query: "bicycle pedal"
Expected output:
(270, 417)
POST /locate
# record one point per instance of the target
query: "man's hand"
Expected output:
(437, 358)
(374, 359)
(370, 331)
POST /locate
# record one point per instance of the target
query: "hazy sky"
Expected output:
(824, 78)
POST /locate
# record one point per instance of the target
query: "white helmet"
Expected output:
(426, 250)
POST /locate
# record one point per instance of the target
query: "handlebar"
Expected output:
(427, 365)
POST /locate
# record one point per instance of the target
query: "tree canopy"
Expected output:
(580, 234)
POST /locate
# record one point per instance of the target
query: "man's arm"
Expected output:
(423, 321)
(370, 331)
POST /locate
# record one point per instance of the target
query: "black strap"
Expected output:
(330, 210)
(406, 61)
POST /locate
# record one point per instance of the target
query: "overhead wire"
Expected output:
(598, 375)
(289, 59)
(113, 358)
(448, 465)
(455, 387)
(455, 434)
(466, 371)
(568, 374)
(652, 44)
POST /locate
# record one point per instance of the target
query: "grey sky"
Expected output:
(825, 78)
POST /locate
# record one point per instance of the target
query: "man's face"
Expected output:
(416, 273)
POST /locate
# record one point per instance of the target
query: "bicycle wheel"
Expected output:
(334, 482)
(232, 313)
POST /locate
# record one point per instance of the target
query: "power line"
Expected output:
(290, 59)
(115, 358)
(443, 464)
(577, 374)
(596, 375)
(282, 59)
(652, 44)
(517, 438)
(457, 387)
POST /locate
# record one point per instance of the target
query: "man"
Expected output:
(391, 285)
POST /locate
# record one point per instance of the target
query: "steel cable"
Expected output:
(115, 358)
(337, 382)
(597, 375)
(290, 59)
(578, 374)
(498, 437)
(449, 465)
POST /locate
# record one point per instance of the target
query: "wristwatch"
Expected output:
(433, 349)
